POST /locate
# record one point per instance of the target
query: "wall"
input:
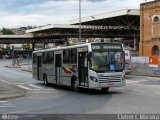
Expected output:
(149, 31)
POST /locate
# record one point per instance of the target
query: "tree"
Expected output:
(7, 32)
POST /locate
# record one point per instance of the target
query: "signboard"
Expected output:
(127, 55)
(153, 61)
(106, 46)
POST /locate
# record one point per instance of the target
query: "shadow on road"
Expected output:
(84, 90)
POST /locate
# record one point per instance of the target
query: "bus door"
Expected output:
(83, 69)
(58, 68)
(39, 67)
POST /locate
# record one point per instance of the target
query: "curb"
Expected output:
(12, 97)
(26, 70)
(12, 66)
(18, 67)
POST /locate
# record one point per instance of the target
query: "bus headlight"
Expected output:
(94, 79)
(123, 77)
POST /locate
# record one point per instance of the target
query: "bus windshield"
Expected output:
(102, 61)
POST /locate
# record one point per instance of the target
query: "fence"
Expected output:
(140, 66)
(26, 64)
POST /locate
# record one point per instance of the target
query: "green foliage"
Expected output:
(7, 32)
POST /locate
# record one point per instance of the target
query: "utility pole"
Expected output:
(79, 21)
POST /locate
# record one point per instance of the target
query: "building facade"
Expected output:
(18, 31)
(150, 28)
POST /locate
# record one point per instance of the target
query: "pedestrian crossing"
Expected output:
(32, 88)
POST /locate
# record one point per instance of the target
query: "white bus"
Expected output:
(90, 65)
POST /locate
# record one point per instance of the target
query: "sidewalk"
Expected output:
(24, 67)
(8, 91)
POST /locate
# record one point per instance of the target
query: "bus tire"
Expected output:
(105, 89)
(74, 84)
(45, 81)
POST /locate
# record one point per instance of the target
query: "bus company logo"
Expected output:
(69, 70)
(4, 117)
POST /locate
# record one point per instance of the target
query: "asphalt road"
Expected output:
(141, 95)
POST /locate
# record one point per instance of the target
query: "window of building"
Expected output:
(155, 50)
(156, 19)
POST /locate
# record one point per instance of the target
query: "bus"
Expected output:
(89, 65)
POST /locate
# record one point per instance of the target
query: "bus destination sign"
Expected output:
(108, 47)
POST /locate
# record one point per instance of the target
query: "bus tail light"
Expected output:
(94, 79)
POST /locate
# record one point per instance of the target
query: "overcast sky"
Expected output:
(17, 13)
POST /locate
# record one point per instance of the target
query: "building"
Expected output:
(150, 28)
(19, 31)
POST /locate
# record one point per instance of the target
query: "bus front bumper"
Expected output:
(112, 84)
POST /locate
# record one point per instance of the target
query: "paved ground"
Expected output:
(9, 91)
(141, 95)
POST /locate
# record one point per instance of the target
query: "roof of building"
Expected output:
(119, 23)
(17, 36)
(50, 26)
(124, 12)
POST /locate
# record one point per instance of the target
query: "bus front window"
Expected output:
(107, 61)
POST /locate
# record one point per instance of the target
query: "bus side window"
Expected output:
(34, 58)
(73, 56)
(85, 62)
(66, 56)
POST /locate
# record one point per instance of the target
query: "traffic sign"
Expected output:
(153, 61)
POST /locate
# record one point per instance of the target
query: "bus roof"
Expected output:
(62, 48)
(73, 46)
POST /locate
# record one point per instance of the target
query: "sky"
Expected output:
(19, 13)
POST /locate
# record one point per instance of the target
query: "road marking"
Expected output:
(3, 101)
(5, 81)
(35, 86)
(26, 88)
(139, 91)
(143, 80)
(134, 82)
(18, 112)
(3, 106)
(23, 83)
(119, 88)
(140, 84)
(6, 104)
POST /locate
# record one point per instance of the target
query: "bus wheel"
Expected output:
(75, 85)
(105, 89)
(45, 80)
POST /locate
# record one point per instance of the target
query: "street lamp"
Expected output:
(80, 21)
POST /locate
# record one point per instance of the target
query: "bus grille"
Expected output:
(109, 79)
